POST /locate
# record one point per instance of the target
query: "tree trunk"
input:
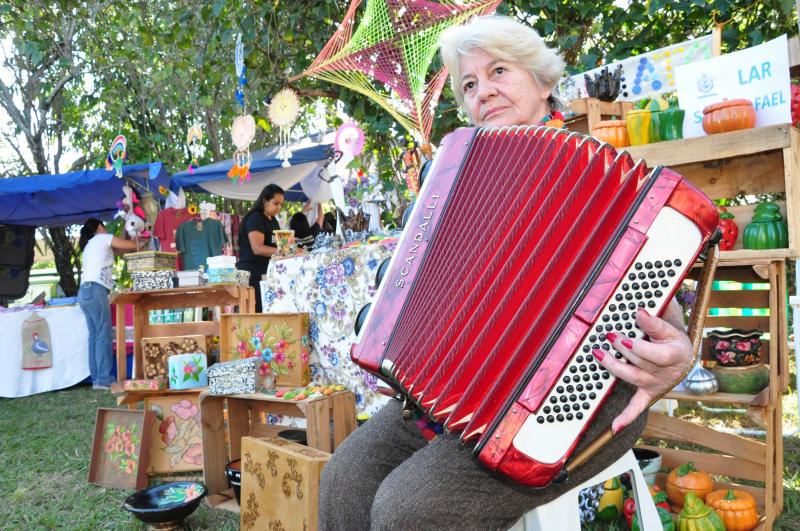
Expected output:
(64, 251)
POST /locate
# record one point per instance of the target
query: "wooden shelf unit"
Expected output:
(213, 295)
(734, 456)
(751, 161)
(590, 111)
(244, 418)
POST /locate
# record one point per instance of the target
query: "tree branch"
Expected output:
(7, 102)
(16, 149)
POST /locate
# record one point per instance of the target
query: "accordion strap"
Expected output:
(695, 332)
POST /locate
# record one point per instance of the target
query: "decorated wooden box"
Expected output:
(151, 280)
(176, 443)
(150, 384)
(121, 448)
(235, 377)
(280, 484)
(280, 340)
(151, 261)
(156, 351)
(187, 371)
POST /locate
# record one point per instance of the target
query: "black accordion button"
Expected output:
(618, 327)
(577, 378)
(587, 348)
(595, 376)
(632, 276)
(641, 304)
(658, 293)
(566, 408)
(585, 405)
(626, 287)
(677, 262)
(569, 416)
(661, 274)
(659, 264)
(606, 318)
(615, 317)
(583, 368)
(563, 399)
(665, 283)
(560, 389)
(599, 328)
(599, 385)
(643, 285)
(648, 265)
(573, 397)
(540, 420)
(579, 359)
(585, 377)
(628, 326)
(618, 297)
(579, 415)
(606, 346)
(668, 263)
(589, 358)
(592, 367)
(579, 387)
(639, 295)
(613, 308)
(618, 356)
(556, 409)
(632, 306)
(570, 389)
(629, 296)
(605, 376)
(670, 273)
(648, 294)
(642, 275)
(550, 418)
(651, 304)
(592, 396)
(560, 418)
(546, 409)
(566, 379)
(582, 396)
(651, 275)
(589, 387)
(553, 400)
(573, 369)
(638, 265)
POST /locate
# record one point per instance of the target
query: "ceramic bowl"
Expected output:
(169, 503)
(233, 471)
(649, 462)
(736, 347)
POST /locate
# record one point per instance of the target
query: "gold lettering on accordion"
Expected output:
(418, 237)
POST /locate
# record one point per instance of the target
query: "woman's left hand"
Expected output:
(653, 366)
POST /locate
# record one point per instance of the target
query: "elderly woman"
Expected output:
(386, 475)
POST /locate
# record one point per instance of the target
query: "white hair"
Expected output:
(505, 39)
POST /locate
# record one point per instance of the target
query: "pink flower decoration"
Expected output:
(129, 449)
(290, 364)
(281, 344)
(722, 345)
(168, 430)
(130, 466)
(185, 409)
(241, 347)
(191, 491)
(188, 368)
(259, 334)
(280, 357)
(304, 356)
(744, 346)
(754, 340)
(194, 455)
(727, 357)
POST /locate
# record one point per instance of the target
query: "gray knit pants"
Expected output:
(386, 476)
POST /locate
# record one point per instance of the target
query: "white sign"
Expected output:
(643, 75)
(759, 74)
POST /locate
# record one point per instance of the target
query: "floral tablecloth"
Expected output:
(332, 287)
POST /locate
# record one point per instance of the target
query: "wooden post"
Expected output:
(716, 41)
(122, 361)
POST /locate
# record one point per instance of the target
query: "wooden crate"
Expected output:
(121, 448)
(751, 161)
(280, 484)
(281, 332)
(736, 457)
(245, 414)
(156, 351)
(590, 111)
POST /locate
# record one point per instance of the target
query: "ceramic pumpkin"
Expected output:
(729, 115)
(686, 478)
(737, 509)
(730, 231)
(614, 132)
(697, 516)
(767, 229)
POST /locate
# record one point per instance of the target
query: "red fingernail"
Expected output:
(619, 429)
(627, 343)
(598, 354)
(645, 312)
(611, 336)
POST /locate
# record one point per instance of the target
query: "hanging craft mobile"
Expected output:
(194, 139)
(243, 130)
(388, 55)
(349, 140)
(282, 112)
(116, 155)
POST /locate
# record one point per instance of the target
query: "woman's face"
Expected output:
(498, 92)
(273, 206)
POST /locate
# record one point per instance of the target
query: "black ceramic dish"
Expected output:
(233, 471)
(166, 506)
(297, 436)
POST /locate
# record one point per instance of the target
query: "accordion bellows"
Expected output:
(490, 327)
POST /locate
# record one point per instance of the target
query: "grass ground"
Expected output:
(45, 446)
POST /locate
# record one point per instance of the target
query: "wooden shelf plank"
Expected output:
(719, 398)
(714, 147)
(751, 255)
(717, 464)
(206, 328)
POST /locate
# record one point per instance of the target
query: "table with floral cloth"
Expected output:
(332, 287)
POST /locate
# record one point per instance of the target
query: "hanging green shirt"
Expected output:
(197, 240)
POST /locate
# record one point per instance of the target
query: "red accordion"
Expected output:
(526, 246)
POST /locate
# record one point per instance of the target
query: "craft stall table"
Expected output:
(213, 295)
(332, 287)
(68, 344)
(329, 420)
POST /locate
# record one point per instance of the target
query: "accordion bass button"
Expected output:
(361, 317)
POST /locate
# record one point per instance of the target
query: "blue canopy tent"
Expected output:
(70, 198)
(299, 180)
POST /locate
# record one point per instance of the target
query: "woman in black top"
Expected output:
(304, 233)
(256, 243)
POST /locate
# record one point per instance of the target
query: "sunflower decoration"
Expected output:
(282, 112)
(192, 210)
(163, 191)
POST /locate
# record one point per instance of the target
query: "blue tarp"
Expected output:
(265, 169)
(71, 198)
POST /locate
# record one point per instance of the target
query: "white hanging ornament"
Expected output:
(282, 112)
(194, 139)
(243, 131)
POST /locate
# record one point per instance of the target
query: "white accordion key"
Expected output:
(672, 243)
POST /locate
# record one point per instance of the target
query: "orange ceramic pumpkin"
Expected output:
(614, 132)
(737, 509)
(729, 115)
(686, 478)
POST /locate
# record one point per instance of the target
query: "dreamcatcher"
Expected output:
(116, 155)
(194, 139)
(243, 130)
(282, 112)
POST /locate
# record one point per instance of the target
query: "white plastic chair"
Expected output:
(562, 514)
